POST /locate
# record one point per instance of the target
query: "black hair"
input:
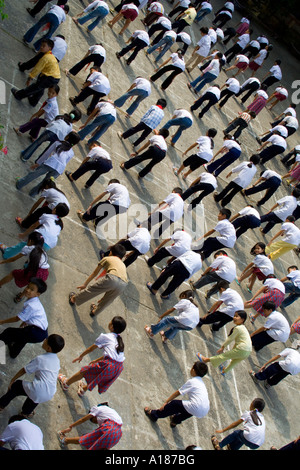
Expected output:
(200, 368)
(56, 343)
(62, 210)
(49, 43)
(204, 30)
(188, 294)
(269, 305)
(254, 160)
(49, 183)
(119, 325)
(291, 218)
(161, 102)
(56, 88)
(259, 405)
(263, 87)
(278, 61)
(14, 418)
(252, 114)
(118, 250)
(223, 284)
(60, 36)
(114, 181)
(177, 190)
(293, 267)
(261, 245)
(243, 315)
(164, 132)
(36, 239)
(34, 260)
(66, 8)
(73, 116)
(39, 283)
(220, 252)
(296, 192)
(70, 140)
(226, 212)
(212, 132)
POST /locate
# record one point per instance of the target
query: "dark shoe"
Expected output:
(118, 55)
(30, 12)
(14, 91)
(72, 101)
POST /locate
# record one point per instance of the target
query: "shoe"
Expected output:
(30, 12)
(118, 55)
(25, 42)
(72, 101)
(175, 171)
(120, 135)
(252, 375)
(14, 91)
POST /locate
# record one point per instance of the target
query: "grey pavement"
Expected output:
(152, 371)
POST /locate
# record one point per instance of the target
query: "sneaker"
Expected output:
(252, 375)
(175, 171)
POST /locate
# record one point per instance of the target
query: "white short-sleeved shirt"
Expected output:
(254, 44)
(23, 435)
(165, 22)
(143, 84)
(140, 239)
(33, 313)
(142, 35)
(290, 361)
(261, 57)
(292, 233)
(208, 178)
(99, 83)
(277, 327)
(182, 243)
(119, 195)
(49, 229)
(174, 210)
(98, 152)
(96, 4)
(269, 174)
(213, 36)
(230, 143)
(253, 433)
(45, 369)
(250, 80)
(43, 264)
(245, 175)
(58, 12)
(291, 121)
(242, 59)
(184, 37)
(287, 205)
(60, 48)
(227, 233)
(213, 89)
(198, 401)
(105, 108)
(60, 128)
(224, 267)
(108, 342)
(180, 113)
(188, 313)
(204, 147)
(51, 109)
(103, 412)
(278, 140)
(276, 72)
(262, 93)
(244, 39)
(213, 67)
(233, 85)
(281, 129)
(204, 45)
(294, 276)
(274, 283)
(177, 62)
(264, 264)
(171, 34)
(233, 302)
(290, 110)
(159, 141)
(98, 49)
(191, 261)
(249, 211)
(54, 197)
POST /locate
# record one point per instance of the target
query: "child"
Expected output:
(241, 63)
(104, 371)
(47, 113)
(253, 433)
(99, 121)
(232, 152)
(242, 345)
(36, 265)
(45, 369)
(51, 163)
(181, 269)
(274, 372)
(246, 171)
(205, 184)
(269, 180)
(107, 434)
(196, 405)
(276, 328)
(274, 145)
(280, 211)
(204, 154)
(112, 284)
(273, 290)
(259, 268)
(181, 118)
(50, 197)
(129, 12)
(177, 67)
(96, 54)
(217, 316)
(187, 319)
(181, 243)
(290, 239)
(240, 123)
(94, 12)
(34, 326)
(259, 102)
(292, 286)
(209, 74)
(225, 239)
(97, 159)
(137, 41)
(141, 88)
(117, 203)
(274, 75)
(21, 434)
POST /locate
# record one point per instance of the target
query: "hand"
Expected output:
(219, 431)
(82, 127)
(82, 287)
(77, 359)
(219, 351)
(89, 210)
(162, 407)
(133, 154)
(262, 368)
(33, 167)
(65, 431)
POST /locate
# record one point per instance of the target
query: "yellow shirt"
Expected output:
(189, 15)
(114, 265)
(47, 65)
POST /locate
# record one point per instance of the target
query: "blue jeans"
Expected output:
(140, 94)
(31, 33)
(202, 80)
(183, 123)
(103, 122)
(166, 43)
(236, 440)
(99, 13)
(11, 251)
(171, 322)
(46, 136)
(201, 14)
(39, 171)
(294, 294)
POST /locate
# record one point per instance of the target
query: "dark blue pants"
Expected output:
(244, 223)
(273, 374)
(271, 185)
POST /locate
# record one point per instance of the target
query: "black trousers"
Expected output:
(158, 256)
(271, 220)
(238, 123)
(35, 91)
(158, 218)
(41, 4)
(167, 68)
(137, 44)
(100, 166)
(154, 29)
(134, 255)
(210, 245)
(153, 153)
(269, 81)
(248, 90)
(270, 185)
(29, 64)
(224, 97)
(233, 51)
(244, 223)
(17, 338)
(260, 340)
(86, 93)
(102, 212)
(208, 96)
(34, 217)
(96, 59)
(205, 189)
(228, 193)
(179, 274)
(140, 127)
(218, 319)
(17, 390)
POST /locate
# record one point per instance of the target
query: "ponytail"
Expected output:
(189, 295)
(259, 405)
(34, 261)
(119, 325)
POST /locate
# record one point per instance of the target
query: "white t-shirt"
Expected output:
(233, 302)
(103, 412)
(119, 195)
(208, 178)
(213, 67)
(290, 110)
(278, 140)
(227, 233)
(60, 48)
(51, 109)
(242, 59)
(98, 152)
(108, 342)
(143, 84)
(142, 35)
(213, 36)
(23, 435)
(171, 34)
(291, 361)
(159, 141)
(174, 210)
(184, 37)
(287, 205)
(224, 267)
(249, 211)
(274, 283)
(179, 113)
(204, 45)
(54, 197)
(43, 264)
(261, 57)
(45, 369)
(264, 264)
(198, 401)
(165, 22)
(177, 62)
(49, 229)
(58, 12)
(33, 313)
(253, 433)
(291, 121)
(233, 85)
(140, 239)
(182, 243)
(244, 39)
(205, 147)
(276, 72)
(105, 108)
(230, 143)
(292, 233)
(192, 261)
(269, 174)
(99, 83)
(60, 128)
(97, 49)
(278, 327)
(294, 276)
(245, 175)
(188, 313)
(96, 4)
(213, 89)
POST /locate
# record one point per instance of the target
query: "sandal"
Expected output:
(19, 220)
(147, 412)
(149, 285)
(80, 390)
(252, 318)
(148, 331)
(62, 380)
(80, 215)
(215, 442)
(172, 424)
(61, 439)
(238, 283)
(200, 357)
(68, 175)
(2, 248)
(70, 299)
(165, 297)
(18, 298)
(93, 308)
(164, 339)
(222, 369)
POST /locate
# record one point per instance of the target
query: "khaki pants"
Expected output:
(111, 285)
(195, 59)
(279, 248)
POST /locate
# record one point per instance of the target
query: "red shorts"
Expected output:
(254, 66)
(22, 279)
(130, 14)
(242, 65)
(260, 276)
(280, 97)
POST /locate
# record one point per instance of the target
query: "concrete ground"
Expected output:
(153, 371)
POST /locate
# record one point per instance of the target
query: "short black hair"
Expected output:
(200, 368)
(164, 132)
(296, 192)
(56, 343)
(226, 212)
(39, 283)
(204, 30)
(118, 250)
(161, 102)
(269, 305)
(177, 190)
(223, 284)
(220, 252)
(114, 181)
(49, 43)
(212, 132)
(62, 210)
